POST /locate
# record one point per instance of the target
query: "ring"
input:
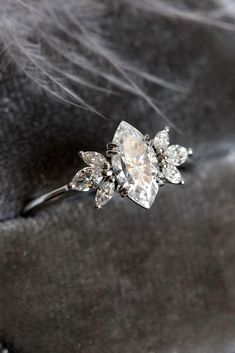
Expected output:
(135, 166)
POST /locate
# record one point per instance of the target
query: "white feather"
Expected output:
(60, 44)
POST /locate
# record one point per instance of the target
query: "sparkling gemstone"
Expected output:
(172, 174)
(135, 165)
(176, 154)
(87, 178)
(104, 193)
(161, 140)
(94, 159)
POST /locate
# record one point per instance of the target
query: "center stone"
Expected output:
(134, 165)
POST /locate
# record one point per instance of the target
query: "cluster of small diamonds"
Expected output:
(99, 174)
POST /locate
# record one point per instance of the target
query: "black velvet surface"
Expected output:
(123, 279)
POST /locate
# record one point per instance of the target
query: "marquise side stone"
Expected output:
(94, 159)
(104, 193)
(176, 154)
(87, 178)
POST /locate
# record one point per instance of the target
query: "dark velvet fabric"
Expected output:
(123, 279)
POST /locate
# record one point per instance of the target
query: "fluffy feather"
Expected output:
(219, 9)
(60, 45)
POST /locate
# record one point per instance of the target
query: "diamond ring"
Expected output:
(135, 166)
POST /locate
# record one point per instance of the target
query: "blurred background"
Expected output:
(122, 279)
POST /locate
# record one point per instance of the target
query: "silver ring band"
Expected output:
(46, 198)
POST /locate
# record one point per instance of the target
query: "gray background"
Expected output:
(123, 279)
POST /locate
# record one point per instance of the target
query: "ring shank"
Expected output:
(50, 196)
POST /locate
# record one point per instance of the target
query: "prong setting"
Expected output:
(167, 129)
(147, 139)
(112, 149)
(190, 151)
(122, 190)
(80, 154)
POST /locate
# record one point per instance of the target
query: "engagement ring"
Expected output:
(135, 166)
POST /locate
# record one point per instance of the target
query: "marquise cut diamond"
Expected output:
(87, 178)
(104, 193)
(135, 165)
(94, 159)
(172, 174)
(161, 140)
